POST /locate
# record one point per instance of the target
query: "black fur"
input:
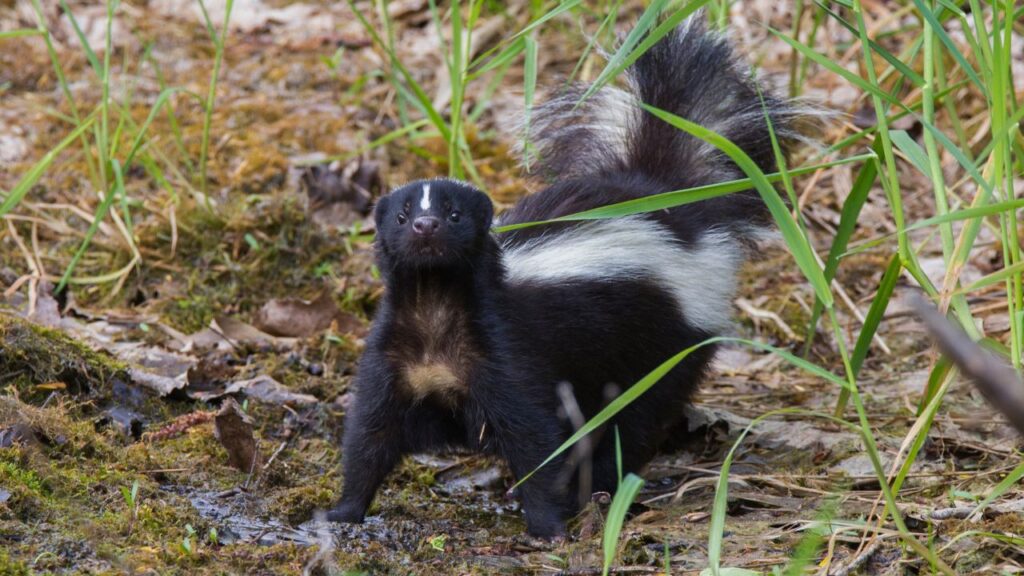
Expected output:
(503, 403)
(460, 356)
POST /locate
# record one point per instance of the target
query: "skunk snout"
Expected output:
(425, 226)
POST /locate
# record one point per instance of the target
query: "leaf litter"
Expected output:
(265, 303)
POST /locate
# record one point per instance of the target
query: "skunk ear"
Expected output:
(381, 210)
(485, 210)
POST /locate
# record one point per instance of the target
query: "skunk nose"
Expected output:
(425, 225)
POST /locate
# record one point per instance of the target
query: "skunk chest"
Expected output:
(433, 346)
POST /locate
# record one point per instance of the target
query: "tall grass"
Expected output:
(988, 32)
(211, 95)
(109, 139)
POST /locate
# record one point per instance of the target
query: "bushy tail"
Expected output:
(692, 73)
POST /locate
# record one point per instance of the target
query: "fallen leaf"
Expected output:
(19, 433)
(233, 428)
(340, 195)
(262, 388)
(156, 368)
(239, 332)
(47, 311)
(127, 422)
(996, 323)
(292, 317)
(162, 385)
(211, 373)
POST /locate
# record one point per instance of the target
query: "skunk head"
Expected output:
(433, 224)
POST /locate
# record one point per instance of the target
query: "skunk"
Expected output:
(476, 330)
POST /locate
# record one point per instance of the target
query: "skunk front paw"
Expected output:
(547, 526)
(346, 513)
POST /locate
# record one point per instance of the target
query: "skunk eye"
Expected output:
(402, 218)
(454, 216)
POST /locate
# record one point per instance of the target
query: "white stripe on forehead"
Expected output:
(425, 200)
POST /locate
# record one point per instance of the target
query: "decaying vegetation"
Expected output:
(187, 278)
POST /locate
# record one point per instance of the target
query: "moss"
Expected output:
(238, 259)
(163, 517)
(27, 489)
(31, 355)
(196, 458)
(53, 430)
(13, 475)
(9, 567)
(296, 505)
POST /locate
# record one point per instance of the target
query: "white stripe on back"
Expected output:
(701, 277)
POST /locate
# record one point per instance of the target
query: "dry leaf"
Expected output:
(298, 318)
(233, 428)
(339, 196)
(262, 388)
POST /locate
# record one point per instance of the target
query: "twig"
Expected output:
(760, 314)
(274, 455)
(858, 560)
(582, 452)
(996, 380)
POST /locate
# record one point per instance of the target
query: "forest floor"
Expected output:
(120, 451)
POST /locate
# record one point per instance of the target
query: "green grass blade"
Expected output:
(500, 59)
(617, 63)
(421, 96)
(211, 95)
(20, 33)
(161, 101)
(950, 45)
(1010, 481)
(994, 278)
(871, 322)
(875, 313)
(90, 56)
(562, 8)
(123, 195)
(607, 23)
(676, 198)
(832, 66)
(936, 377)
(36, 171)
(624, 496)
(848, 218)
(970, 213)
(101, 214)
(529, 87)
(645, 383)
(912, 149)
(640, 40)
(791, 233)
(889, 57)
